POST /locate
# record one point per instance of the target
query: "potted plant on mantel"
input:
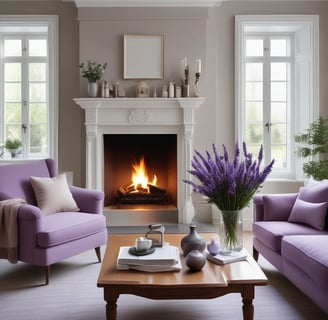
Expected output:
(93, 72)
(13, 145)
(313, 144)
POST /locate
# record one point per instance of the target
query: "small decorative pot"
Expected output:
(13, 152)
(192, 241)
(195, 260)
(93, 89)
(213, 247)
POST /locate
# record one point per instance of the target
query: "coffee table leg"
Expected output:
(248, 308)
(111, 304)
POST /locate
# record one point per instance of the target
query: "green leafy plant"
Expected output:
(13, 144)
(314, 144)
(92, 71)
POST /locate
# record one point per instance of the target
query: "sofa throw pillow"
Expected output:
(317, 192)
(277, 207)
(53, 194)
(309, 213)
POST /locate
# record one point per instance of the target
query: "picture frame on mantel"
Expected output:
(143, 56)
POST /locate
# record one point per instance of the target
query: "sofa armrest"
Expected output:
(90, 201)
(273, 207)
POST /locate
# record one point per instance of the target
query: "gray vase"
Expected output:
(92, 89)
(192, 241)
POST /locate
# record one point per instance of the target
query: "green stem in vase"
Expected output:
(230, 220)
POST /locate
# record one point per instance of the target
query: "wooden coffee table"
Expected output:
(211, 282)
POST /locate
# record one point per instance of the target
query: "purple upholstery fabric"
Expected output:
(309, 213)
(44, 240)
(309, 254)
(272, 232)
(315, 192)
(277, 207)
(64, 227)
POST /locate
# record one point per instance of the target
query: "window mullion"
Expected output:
(25, 100)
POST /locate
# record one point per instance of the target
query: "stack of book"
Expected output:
(224, 259)
(166, 258)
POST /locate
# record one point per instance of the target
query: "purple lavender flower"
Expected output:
(228, 185)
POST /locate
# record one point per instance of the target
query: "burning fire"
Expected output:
(139, 177)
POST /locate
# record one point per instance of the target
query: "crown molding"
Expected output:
(147, 3)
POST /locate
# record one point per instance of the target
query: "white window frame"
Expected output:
(51, 21)
(305, 29)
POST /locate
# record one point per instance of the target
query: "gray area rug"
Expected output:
(73, 294)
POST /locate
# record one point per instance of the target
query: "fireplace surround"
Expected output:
(141, 116)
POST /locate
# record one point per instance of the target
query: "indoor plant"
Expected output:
(314, 145)
(93, 72)
(229, 185)
(12, 145)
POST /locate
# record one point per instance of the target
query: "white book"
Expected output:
(224, 259)
(150, 268)
(166, 255)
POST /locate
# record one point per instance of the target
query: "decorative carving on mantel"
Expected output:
(139, 116)
(91, 132)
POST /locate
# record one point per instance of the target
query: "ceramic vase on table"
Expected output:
(230, 231)
(92, 89)
(192, 241)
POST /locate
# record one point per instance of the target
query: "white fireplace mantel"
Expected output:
(141, 116)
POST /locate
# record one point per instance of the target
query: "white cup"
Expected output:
(143, 243)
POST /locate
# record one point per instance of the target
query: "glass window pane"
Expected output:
(278, 133)
(278, 47)
(254, 91)
(254, 111)
(278, 91)
(37, 92)
(278, 112)
(37, 48)
(14, 132)
(279, 154)
(38, 112)
(254, 71)
(13, 48)
(254, 134)
(38, 138)
(13, 72)
(37, 71)
(13, 113)
(278, 71)
(13, 92)
(254, 47)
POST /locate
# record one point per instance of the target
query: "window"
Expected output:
(28, 103)
(274, 90)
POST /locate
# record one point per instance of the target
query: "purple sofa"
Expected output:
(290, 231)
(44, 239)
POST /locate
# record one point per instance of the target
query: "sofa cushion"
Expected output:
(278, 207)
(309, 213)
(53, 194)
(69, 226)
(271, 232)
(316, 193)
(309, 254)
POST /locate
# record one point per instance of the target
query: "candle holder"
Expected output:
(197, 75)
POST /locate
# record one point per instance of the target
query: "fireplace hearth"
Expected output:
(157, 121)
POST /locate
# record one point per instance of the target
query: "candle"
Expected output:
(198, 66)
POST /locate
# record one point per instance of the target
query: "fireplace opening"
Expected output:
(140, 170)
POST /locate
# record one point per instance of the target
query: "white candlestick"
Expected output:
(198, 66)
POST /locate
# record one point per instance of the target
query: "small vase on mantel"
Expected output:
(92, 89)
(230, 232)
(192, 241)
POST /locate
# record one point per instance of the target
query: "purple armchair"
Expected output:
(46, 239)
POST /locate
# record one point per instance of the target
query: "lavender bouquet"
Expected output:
(230, 185)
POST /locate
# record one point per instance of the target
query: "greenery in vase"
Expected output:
(92, 70)
(315, 143)
(230, 185)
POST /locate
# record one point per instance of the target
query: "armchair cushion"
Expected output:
(68, 226)
(311, 214)
(53, 194)
(277, 207)
(315, 192)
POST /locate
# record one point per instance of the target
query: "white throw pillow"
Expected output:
(53, 194)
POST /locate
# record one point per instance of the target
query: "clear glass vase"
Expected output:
(230, 231)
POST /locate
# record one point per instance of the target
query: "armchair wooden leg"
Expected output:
(255, 254)
(98, 253)
(47, 274)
